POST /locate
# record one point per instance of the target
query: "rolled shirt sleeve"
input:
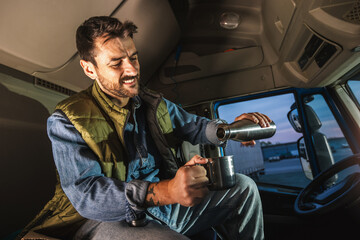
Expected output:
(211, 129)
(193, 128)
(92, 194)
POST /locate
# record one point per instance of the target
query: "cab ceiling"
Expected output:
(277, 43)
(182, 47)
(38, 36)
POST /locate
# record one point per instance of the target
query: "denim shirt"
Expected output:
(101, 198)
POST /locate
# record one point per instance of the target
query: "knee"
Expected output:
(246, 183)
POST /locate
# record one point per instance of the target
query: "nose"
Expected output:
(130, 67)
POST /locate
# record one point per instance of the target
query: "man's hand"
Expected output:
(261, 119)
(188, 187)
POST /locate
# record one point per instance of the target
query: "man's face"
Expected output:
(118, 69)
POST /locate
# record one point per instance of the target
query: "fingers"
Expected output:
(196, 177)
(195, 171)
(249, 143)
(189, 186)
(198, 193)
(196, 198)
(197, 159)
(256, 117)
(266, 116)
(263, 120)
(197, 190)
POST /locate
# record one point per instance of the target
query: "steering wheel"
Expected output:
(311, 201)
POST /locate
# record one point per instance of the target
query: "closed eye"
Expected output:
(134, 57)
(117, 64)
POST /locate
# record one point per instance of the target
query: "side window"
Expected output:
(329, 142)
(325, 131)
(274, 160)
(354, 86)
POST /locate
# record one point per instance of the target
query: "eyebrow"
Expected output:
(115, 59)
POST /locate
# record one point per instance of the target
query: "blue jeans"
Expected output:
(235, 213)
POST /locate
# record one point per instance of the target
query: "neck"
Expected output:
(121, 102)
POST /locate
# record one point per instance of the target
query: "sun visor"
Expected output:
(193, 66)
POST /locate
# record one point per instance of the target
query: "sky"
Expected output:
(277, 107)
(355, 87)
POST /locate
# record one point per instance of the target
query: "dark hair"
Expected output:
(101, 26)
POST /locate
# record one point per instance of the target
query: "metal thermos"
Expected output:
(244, 130)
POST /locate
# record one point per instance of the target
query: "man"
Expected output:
(114, 147)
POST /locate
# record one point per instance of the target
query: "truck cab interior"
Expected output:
(296, 61)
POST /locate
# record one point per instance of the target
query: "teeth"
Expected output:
(129, 81)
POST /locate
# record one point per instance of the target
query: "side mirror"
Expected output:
(304, 160)
(294, 120)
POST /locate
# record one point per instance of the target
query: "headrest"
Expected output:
(313, 119)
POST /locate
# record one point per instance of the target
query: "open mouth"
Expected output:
(130, 81)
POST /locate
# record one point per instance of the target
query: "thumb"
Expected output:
(197, 159)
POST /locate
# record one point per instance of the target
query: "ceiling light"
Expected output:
(229, 20)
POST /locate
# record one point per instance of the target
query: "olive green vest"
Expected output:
(101, 124)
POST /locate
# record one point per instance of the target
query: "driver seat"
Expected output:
(322, 147)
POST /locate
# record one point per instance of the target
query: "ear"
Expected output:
(89, 69)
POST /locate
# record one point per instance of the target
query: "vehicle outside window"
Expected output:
(274, 160)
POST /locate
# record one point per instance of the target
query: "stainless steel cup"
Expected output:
(220, 171)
